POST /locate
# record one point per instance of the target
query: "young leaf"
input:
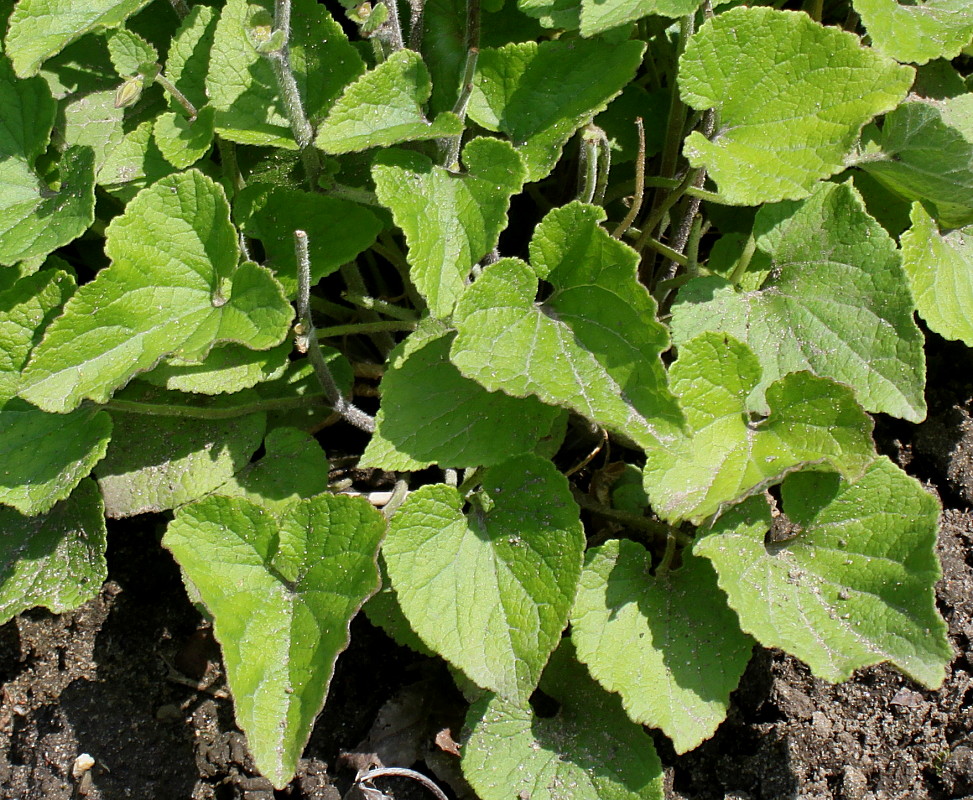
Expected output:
(836, 303)
(181, 141)
(241, 83)
(337, 230)
(33, 219)
(667, 643)
(282, 589)
(598, 16)
(490, 591)
(450, 221)
(39, 29)
(384, 107)
(853, 588)
(940, 269)
(726, 455)
(56, 560)
(540, 94)
(922, 156)
(592, 346)
(226, 369)
(589, 750)
(792, 98)
(436, 416)
(917, 33)
(173, 288)
(175, 460)
(129, 52)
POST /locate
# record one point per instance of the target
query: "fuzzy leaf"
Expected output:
(540, 94)
(183, 142)
(173, 288)
(920, 155)
(39, 29)
(836, 303)
(282, 590)
(129, 52)
(667, 643)
(727, 453)
(450, 220)
(592, 346)
(226, 369)
(175, 460)
(56, 560)
(792, 97)
(917, 32)
(187, 62)
(598, 16)
(589, 750)
(436, 416)
(384, 107)
(490, 591)
(854, 586)
(241, 83)
(940, 269)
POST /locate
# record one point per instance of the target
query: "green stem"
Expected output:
(749, 248)
(653, 528)
(353, 193)
(355, 282)
(663, 208)
(633, 212)
(355, 328)
(381, 306)
(232, 177)
(450, 145)
(665, 250)
(178, 96)
(416, 24)
(180, 7)
(350, 412)
(390, 33)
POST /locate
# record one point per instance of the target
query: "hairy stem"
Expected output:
(633, 212)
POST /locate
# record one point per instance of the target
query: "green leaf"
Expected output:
(589, 750)
(836, 303)
(792, 97)
(187, 62)
(337, 230)
(728, 453)
(563, 14)
(592, 346)
(920, 155)
(667, 643)
(540, 94)
(450, 220)
(293, 467)
(173, 288)
(39, 29)
(383, 611)
(241, 83)
(436, 416)
(93, 121)
(56, 560)
(940, 269)
(33, 219)
(282, 590)
(490, 591)
(226, 369)
(854, 586)
(917, 32)
(170, 461)
(129, 52)
(384, 107)
(182, 141)
(598, 16)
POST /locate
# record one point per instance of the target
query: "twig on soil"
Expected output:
(402, 772)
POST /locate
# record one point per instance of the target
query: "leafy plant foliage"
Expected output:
(632, 276)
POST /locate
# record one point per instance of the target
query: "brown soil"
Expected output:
(132, 679)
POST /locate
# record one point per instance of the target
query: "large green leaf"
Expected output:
(836, 303)
(922, 155)
(917, 32)
(792, 97)
(598, 15)
(450, 220)
(282, 589)
(540, 94)
(39, 29)
(592, 346)
(56, 560)
(853, 587)
(33, 219)
(490, 590)
(241, 83)
(173, 288)
(44, 456)
(589, 750)
(174, 460)
(436, 416)
(729, 452)
(667, 643)
(940, 268)
(384, 107)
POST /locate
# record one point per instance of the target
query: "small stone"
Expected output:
(854, 784)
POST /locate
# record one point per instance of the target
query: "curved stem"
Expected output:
(402, 772)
